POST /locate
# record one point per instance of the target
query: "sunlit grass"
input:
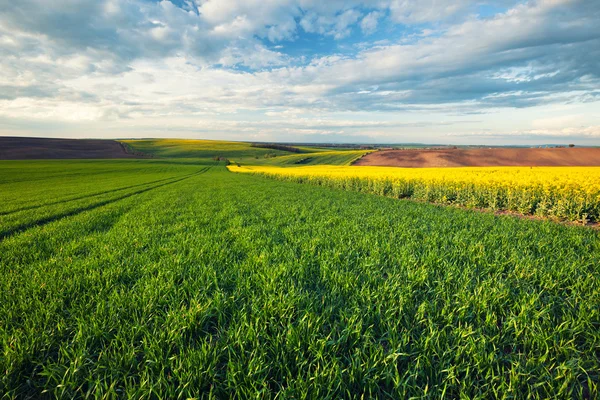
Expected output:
(174, 278)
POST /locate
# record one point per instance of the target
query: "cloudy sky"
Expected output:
(385, 71)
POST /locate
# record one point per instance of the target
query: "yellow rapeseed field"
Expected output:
(571, 193)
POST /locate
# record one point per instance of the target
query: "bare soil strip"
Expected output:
(492, 157)
(24, 148)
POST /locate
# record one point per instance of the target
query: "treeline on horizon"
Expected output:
(276, 147)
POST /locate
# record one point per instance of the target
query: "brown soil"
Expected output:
(21, 148)
(493, 157)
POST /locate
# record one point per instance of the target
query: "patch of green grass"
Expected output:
(43, 191)
(213, 284)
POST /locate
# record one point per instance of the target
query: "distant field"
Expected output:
(172, 277)
(494, 157)
(243, 153)
(18, 148)
(345, 157)
(177, 148)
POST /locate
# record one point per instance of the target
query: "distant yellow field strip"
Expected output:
(564, 192)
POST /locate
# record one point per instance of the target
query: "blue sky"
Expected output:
(379, 71)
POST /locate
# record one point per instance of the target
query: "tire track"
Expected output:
(70, 199)
(44, 221)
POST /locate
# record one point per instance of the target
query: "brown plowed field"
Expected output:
(494, 157)
(21, 148)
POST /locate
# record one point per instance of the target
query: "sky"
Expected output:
(336, 71)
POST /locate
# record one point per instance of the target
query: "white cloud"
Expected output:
(407, 11)
(257, 59)
(270, 19)
(560, 122)
(338, 26)
(128, 61)
(579, 132)
(369, 23)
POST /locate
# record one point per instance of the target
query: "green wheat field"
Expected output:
(170, 277)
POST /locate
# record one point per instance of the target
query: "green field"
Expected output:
(176, 148)
(243, 153)
(174, 278)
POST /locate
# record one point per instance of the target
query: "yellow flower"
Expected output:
(564, 192)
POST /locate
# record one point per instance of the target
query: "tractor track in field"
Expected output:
(44, 221)
(70, 199)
